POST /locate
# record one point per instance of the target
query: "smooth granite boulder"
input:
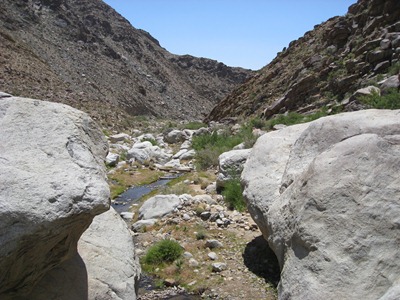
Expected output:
(326, 196)
(52, 184)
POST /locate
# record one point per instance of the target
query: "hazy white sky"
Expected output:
(239, 33)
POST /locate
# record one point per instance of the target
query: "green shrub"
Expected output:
(210, 146)
(394, 69)
(390, 100)
(165, 251)
(152, 141)
(193, 125)
(233, 195)
(201, 235)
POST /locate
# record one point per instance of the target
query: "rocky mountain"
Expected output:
(324, 66)
(83, 53)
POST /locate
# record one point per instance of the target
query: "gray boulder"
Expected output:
(176, 136)
(365, 92)
(144, 151)
(105, 268)
(158, 206)
(326, 197)
(389, 83)
(188, 155)
(120, 137)
(112, 159)
(231, 165)
(141, 224)
(137, 154)
(53, 183)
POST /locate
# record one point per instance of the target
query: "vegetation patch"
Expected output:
(193, 125)
(165, 251)
(233, 195)
(210, 146)
(390, 100)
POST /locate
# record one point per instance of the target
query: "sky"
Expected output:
(239, 33)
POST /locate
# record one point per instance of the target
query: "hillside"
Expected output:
(325, 66)
(83, 53)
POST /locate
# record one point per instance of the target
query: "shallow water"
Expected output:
(133, 194)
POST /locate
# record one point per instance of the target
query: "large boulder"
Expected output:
(158, 206)
(326, 197)
(52, 184)
(231, 165)
(104, 269)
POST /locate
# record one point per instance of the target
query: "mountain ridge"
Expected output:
(324, 67)
(85, 54)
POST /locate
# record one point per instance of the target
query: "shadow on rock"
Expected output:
(261, 260)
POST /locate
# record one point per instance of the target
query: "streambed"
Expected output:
(122, 204)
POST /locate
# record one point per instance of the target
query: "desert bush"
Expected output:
(165, 251)
(210, 146)
(390, 100)
(201, 235)
(193, 125)
(233, 195)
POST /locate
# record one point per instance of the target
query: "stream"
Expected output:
(122, 204)
(124, 201)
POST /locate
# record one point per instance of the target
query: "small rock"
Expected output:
(112, 159)
(218, 267)
(212, 255)
(187, 254)
(127, 215)
(205, 215)
(212, 244)
(186, 217)
(193, 263)
(170, 282)
(119, 137)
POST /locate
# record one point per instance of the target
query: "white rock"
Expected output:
(142, 145)
(203, 199)
(158, 206)
(141, 224)
(188, 155)
(219, 267)
(175, 136)
(52, 184)
(112, 159)
(102, 269)
(231, 165)
(178, 154)
(325, 195)
(127, 215)
(212, 255)
(139, 155)
(193, 263)
(186, 144)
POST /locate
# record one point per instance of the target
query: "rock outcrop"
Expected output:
(326, 197)
(323, 67)
(52, 184)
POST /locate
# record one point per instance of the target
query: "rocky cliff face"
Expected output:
(324, 66)
(85, 54)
